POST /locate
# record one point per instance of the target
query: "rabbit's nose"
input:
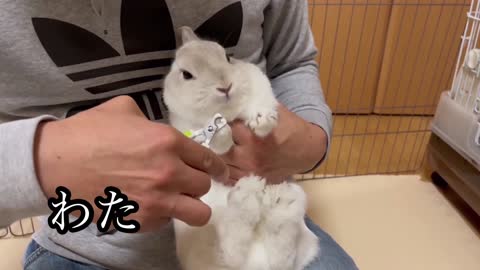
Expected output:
(225, 90)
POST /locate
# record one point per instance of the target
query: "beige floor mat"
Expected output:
(384, 222)
(11, 252)
(394, 222)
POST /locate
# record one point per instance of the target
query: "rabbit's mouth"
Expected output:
(226, 91)
(225, 98)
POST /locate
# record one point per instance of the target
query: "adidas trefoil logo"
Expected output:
(146, 26)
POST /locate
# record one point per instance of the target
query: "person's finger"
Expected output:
(233, 155)
(152, 226)
(192, 182)
(228, 157)
(236, 173)
(148, 221)
(203, 159)
(241, 134)
(239, 156)
(231, 182)
(192, 211)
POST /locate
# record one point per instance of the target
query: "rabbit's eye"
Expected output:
(187, 75)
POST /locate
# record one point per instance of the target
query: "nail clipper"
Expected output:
(205, 135)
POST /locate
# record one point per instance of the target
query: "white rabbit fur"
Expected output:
(254, 226)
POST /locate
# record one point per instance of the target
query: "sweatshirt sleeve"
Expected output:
(20, 192)
(290, 50)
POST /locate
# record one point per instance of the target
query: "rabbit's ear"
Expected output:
(188, 34)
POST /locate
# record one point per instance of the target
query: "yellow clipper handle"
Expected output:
(188, 133)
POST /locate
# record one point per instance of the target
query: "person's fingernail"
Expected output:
(208, 160)
(225, 175)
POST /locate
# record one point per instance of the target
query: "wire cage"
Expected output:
(24, 227)
(454, 150)
(465, 88)
(383, 65)
(466, 84)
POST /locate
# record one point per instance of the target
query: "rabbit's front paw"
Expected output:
(285, 202)
(245, 197)
(263, 122)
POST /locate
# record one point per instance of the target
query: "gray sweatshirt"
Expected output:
(59, 57)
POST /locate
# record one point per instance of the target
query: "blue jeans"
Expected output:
(332, 256)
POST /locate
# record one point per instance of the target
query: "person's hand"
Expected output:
(294, 146)
(115, 145)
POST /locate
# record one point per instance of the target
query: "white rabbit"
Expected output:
(253, 225)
